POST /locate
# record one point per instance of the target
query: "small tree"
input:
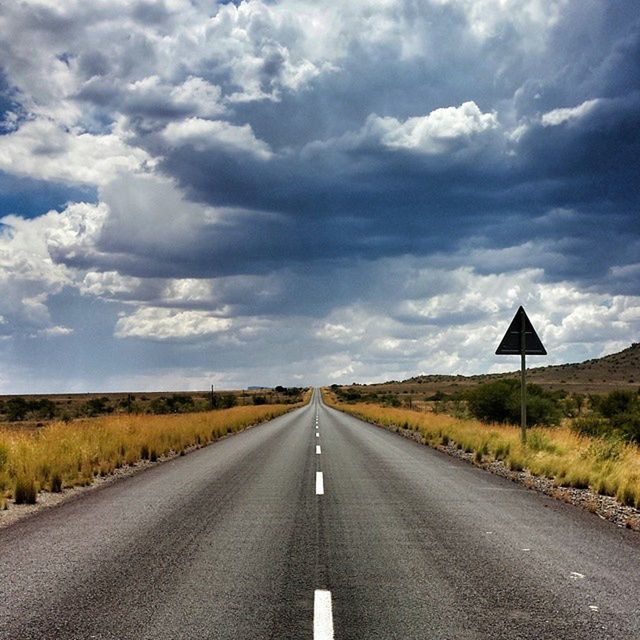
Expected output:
(499, 401)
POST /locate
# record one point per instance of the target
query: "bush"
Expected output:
(616, 403)
(499, 401)
(56, 483)
(627, 425)
(16, 409)
(592, 425)
(25, 492)
(97, 406)
(223, 401)
(615, 414)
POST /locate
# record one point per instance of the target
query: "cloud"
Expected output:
(169, 324)
(52, 332)
(436, 132)
(28, 275)
(444, 130)
(44, 150)
(204, 134)
(559, 116)
(360, 189)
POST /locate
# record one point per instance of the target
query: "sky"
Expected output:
(198, 193)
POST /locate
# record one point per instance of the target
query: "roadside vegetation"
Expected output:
(583, 442)
(61, 454)
(34, 411)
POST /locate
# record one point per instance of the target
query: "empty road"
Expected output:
(317, 525)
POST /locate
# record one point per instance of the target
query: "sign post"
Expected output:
(521, 338)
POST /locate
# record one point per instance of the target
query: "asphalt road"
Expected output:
(234, 542)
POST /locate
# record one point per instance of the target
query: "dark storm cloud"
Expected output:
(367, 179)
(334, 194)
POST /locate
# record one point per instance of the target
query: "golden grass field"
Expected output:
(71, 454)
(608, 467)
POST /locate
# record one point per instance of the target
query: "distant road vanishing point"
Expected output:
(317, 525)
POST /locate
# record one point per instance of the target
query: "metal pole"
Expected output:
(212, 396)
(523, 383)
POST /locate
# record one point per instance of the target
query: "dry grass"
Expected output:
(607, 467)
(63, 455)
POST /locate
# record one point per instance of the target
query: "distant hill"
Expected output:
(598, 375)
(616, 371)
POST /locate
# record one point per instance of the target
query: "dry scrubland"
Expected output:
(609, 467)
(71, 454)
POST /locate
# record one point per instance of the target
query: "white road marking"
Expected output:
(594, 607)
(322, 615)
(574, 575)
(526, 549)
(318, 449)
(317, 435)
(319, 484)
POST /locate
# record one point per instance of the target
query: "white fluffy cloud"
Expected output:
(211, 134)
(445, 132)
(45, 150)
(437, 132)
(558, 116)
(170, 324)
(28, 275)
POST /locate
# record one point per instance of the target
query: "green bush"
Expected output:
(627, 425)
(592, 425)
(499, 401)
(97, 407)
(16, 409)
(616, 414)
(223, 401)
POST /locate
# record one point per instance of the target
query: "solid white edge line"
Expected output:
(319, 484)
(322, 615)
(318, 449)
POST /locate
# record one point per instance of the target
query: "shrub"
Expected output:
(16, 409)
(617, 403)
(615, 414)
(499, 401)
(628, 425)
(25, 491)
(56, 483)
(97, 406)
(592, 425)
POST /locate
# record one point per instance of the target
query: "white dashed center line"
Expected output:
(319, 484)
(318, 449)
(317, 435)
(322, 615)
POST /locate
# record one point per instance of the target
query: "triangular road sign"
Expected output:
(511, 343)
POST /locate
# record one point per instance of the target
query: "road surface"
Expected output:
(292, 531)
